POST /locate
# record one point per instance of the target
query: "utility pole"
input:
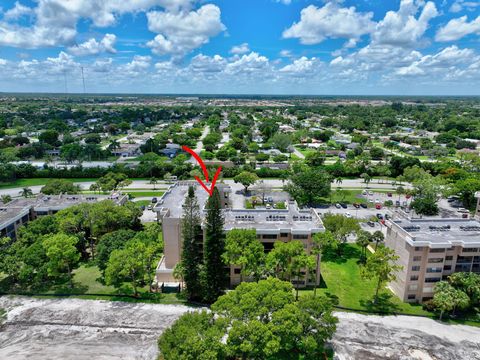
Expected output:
(83, 80)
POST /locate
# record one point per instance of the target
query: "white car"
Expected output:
(268, 206)
(364, 192)
(348, 215)
(370, 193)
(370, 201)
(377, 201)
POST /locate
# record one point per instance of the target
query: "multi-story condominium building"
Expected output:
(430, 250)
(20, 211)
(271, 225)
(477, 212)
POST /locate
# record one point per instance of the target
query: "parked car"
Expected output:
(389, 194)
(364, 206)
(464, 216)
(338, 206)
(379, 216)
(397, 203)
(348, 215)
(356, 205)
(364, 192)
(268, 206)
(371, 224)
(370, 193)
(404, 203)
(150, 207)
(370, 201)
(463, 211)
(343, 205)
(377, 201)
(154, 200)
(270, 199)
(378, 206)
(387, 217)
(142, 207)
(408, 196)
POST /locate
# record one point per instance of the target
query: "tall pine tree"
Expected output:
(192, 252)
(214, 273)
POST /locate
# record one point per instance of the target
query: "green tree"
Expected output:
(243, 249)
(341, 227)
(281, 141)
(308, 185)
(381, 265)
(213, 275)
(127, 265)
(153, 181)
(469, 283)
(6, 198)
(60, 186)
(115, 240)
(377, 237)
(191, 254)
(246, 178)
(26, 192)
(363, 240)
(320, 242)
(62, 254)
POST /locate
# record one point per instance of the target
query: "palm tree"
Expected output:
(154, 182)
(363, 240)
(114, 144)
(26, 192)
(6, 199)
(400, 191)
(377, 237)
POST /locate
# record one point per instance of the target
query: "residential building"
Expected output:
(271, 225)
(127, 150)
(20, 211)
(430, 250)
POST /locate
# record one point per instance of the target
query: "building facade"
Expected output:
(271, 226)
(431, 250)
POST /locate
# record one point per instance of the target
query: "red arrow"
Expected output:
(204, 169)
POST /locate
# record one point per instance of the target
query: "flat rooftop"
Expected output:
(291, 220)
(272, 220)
(441, 232)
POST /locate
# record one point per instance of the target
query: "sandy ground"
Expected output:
(362, 337)
(86, 329)
(82, 329)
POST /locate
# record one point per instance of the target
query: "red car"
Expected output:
(378, 206)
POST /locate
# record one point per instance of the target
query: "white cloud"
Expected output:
(53, 22)
(138, 64)
(301, 66)
(248, 64)
(286, 53)
(240, 49)
(458, 28)
(459, 5)
(330, 21)
(93, 47)
(180, 33)
(102, 65)
(285, 2)
(207, 64)
(17, 12)
(3, 62)
(402, 28)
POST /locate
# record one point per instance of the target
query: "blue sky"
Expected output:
(364, 47)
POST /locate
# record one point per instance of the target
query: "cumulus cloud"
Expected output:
(94, 47)
(53, 22)
(302, 66)
(240, 49)
(458, 28)
(330, 21)
(460, 5)
(402, 28)
(180, 33)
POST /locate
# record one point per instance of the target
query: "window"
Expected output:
(437, 250)
(464, 259)
(470, 250)
(448, 258)
(426, 298)
(435, 260)
(447, 267)
(416, 268)
(283, 234)
(418, 248)
(414, 278)
(270, 236)
(432, 280)
(434, 270)
(476, 259)
(417, 258)
(411, 296)
(236, 271)
(413, 287)
(300, 237)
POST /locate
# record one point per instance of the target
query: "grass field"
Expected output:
(341, 275)
(20, 183)
(347, 196)
(152, 193)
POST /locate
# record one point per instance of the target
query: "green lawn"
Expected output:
(341, 275)
(347, 196)
(20, 183)
(145, 193)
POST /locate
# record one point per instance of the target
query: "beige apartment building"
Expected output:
(430, 250)
(271, 225)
